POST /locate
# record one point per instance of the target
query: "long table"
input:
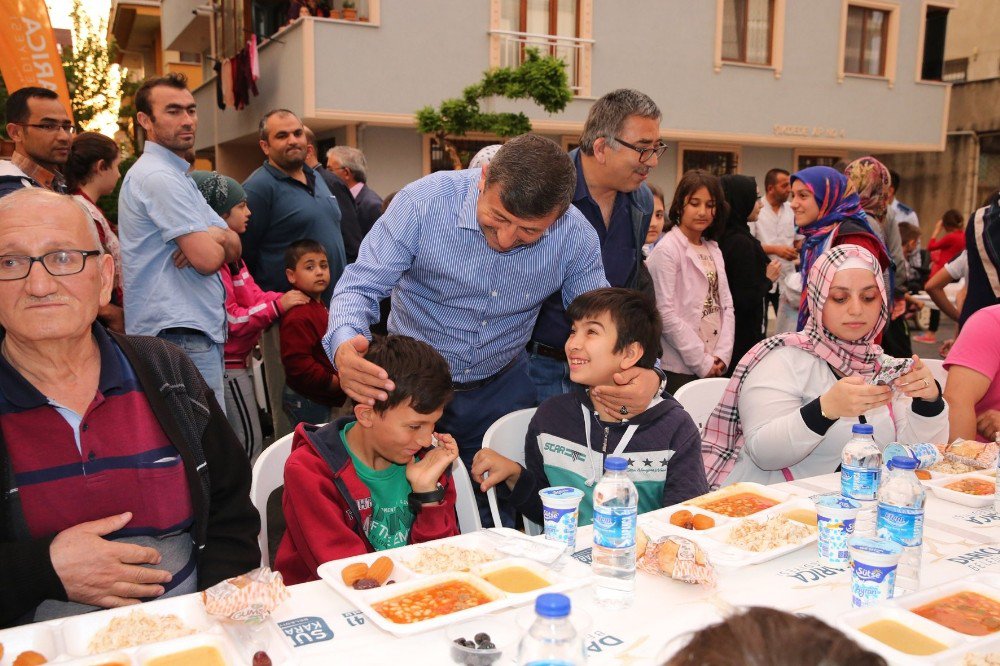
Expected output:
(321, 627)
(958, 542)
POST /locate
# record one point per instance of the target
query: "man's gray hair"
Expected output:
(535, 175)
(607, 116)
(31, 198)
(353, 159)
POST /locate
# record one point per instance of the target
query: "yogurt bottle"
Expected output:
(560, 513)
(873, 569)
(835, 516)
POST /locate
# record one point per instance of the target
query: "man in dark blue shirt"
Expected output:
(619, 145)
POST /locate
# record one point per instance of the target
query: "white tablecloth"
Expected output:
(958, 542)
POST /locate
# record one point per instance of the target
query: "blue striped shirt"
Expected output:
(473, 304)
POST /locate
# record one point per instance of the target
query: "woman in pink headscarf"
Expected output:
(788, 410)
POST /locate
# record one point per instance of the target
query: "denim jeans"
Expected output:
(206, 356)
(303, 410)
(550, 376)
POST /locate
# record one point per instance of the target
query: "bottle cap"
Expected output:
(615, 463)
(552, 605)
(903, 462)
(863, 429)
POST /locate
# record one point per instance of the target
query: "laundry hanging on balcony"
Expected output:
(236, 78)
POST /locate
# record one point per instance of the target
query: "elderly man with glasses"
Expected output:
(42, 133)
(120, 478)
(619, 146)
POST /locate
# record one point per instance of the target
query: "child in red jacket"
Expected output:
(375, 481)
(312, 387)
(249, 311)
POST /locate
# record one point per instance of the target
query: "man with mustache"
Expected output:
(42, 133)
(173, 243)
(619, 145)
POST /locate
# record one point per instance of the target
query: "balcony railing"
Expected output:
(575, 52)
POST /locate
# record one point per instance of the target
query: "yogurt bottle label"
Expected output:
(832, 538)
(614, 527)
(901, 524)
(871, 584)
(860, 483)
(560, 524)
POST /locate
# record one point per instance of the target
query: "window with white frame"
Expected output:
(747, 31)
(866, 40)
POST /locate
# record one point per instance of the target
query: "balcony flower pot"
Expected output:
(335, 13)
(350, 10)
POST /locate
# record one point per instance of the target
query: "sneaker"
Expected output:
(928, 338)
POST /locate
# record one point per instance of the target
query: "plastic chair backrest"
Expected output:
(465, 499)
(268, 475)
(936, 366)
(506, 437)
(699, 398)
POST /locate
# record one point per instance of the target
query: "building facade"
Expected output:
(744, 85)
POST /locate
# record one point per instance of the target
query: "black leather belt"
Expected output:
(546, 351)
(183, 330)
(479, 383)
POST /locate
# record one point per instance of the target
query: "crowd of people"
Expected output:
(129, 420)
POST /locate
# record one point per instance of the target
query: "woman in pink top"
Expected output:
(91, 172)
(249, 310)
(692, 292)
(973, 386)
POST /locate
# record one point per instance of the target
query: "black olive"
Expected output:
(487, 646)
(482, 637)
(365, 584)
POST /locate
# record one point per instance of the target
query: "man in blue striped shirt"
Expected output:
(468, 258)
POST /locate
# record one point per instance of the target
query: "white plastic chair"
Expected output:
(936, 366)
(506, 437)
(699, 398)
(268, 475)
(465, 499)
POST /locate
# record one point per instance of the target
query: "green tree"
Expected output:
(93, 89)
(543, 80)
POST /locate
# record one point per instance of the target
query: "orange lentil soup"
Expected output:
(199, 656)
(429, 602)
(740, 504)
(516, 579)
(966, 612)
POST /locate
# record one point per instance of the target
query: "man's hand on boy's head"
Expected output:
(362, 381)
(633, 389)
(498, 467)
(423, 475)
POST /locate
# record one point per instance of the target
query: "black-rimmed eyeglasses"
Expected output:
(59, 263)
(644, 153)
(51, 128)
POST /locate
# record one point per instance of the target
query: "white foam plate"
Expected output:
(41, 638)
(898, 609)
(713, 541)
(937, 486)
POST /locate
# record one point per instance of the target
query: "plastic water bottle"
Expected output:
(901, 500)
(551, 640)
(860, 471)
(613, 557)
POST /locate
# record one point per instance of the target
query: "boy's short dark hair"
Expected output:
(908, 232)
(301, 248)
(419, 372)
(634, 314)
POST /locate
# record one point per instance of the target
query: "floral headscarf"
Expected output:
(722, 438)
(869, 179)
(836, 205)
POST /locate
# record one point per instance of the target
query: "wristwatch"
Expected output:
(417, 500)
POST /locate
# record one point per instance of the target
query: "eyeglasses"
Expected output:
(51, 128)
(58, 263)
(644, 153)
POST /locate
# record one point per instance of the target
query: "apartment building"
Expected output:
(744, 85)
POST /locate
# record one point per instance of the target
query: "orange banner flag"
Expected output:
(28, 53)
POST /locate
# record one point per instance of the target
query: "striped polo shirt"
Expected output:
(70, 468)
